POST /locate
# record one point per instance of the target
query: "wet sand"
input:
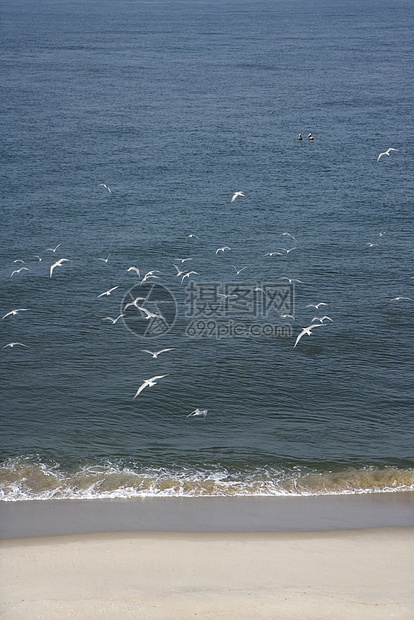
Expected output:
(280, 560)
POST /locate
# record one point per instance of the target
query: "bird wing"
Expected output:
(141, 387)
(163, 351)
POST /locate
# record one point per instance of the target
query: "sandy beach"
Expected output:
(250, 572)
(344, 574)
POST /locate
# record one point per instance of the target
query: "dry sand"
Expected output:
(358, 574)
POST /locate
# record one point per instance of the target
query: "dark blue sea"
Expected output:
(126, 127)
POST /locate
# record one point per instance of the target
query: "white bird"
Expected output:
(308, 331)
(188, 274)
(193, 236)
(147, 276)
(238, 270)
(155, 354)
(310, 137)
(235, 194)
(322, 318)
(39, 258)
(106, 187)
(134, 303)
(274, 254)
(290, 280)
(225, 247)
(104, 260)
(19, 260)
(148, 314)
(19, 270)
(53, 249)
(257, 289)
(179, 271)
(371, 245)
(387, 152)
(287, 251)
(107, 292)
(136, 269)
(58, 264)
(148, 383)
(197, 413)
(401, 299)
(182, 260)
(14, 344)
(14, 312)
(109, 318)
(287, 316)
(321, 303)
(286, 234)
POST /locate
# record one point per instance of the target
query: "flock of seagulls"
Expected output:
(317, 321)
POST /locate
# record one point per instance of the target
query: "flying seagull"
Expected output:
(155, 354)
(148, 383)
(14, 344)
(321, 303)
(308, 331)
(108, 292)
(235, 194)
(19, 270)
(387, 152)
(238, 270)
(53, 249)
(322, 318)
(148, 314)
(401, 299)
(225, 247)
(134, 303)
(58, 264)
(197, 413)
(106, 187)
(188, 274)
(14, 312)
(104, 260)
(136, 269)
(109, 318)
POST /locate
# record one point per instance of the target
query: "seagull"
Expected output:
(53, 249)
(321, 303)
(287, 316)
(188, 274)
(322, 318)
(136, 269)
(39, 258)
(133, 303)
(19, 260)
(238, 270)
(104, 260)
(108, 292)
(371, 245)
(109, 318)
(286, 234)
(14, 312)
(19, 270)
(148, 314)
(274, 254)
(155, 354)
(287, 251)
(307, 330)
(193, 236)
(235, 194)
(58, 264)
(387, 152)
(257, 289)
(148, 383)
(14, 344)
(148, 275)
(179, 272)
(290, 280)
(106, 187)
(182, 260)
(225, 247)
(197, 412)
(401, 299)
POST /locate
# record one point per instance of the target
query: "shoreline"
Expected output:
(30, 518)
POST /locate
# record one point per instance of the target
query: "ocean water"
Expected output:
(174, 105)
